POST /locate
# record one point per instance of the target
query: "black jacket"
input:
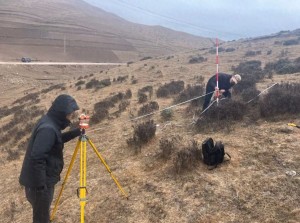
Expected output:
(224, 84)
(43, 160)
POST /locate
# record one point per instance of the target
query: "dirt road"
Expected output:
(61, 63)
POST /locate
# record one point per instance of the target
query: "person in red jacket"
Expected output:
(43, 160)
(226, 81)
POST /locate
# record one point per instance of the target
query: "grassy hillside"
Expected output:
(256, 185)
(55, 30)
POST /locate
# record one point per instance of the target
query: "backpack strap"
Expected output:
(228, 156)
(212, 167)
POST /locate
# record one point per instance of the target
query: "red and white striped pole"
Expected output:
(217, 73)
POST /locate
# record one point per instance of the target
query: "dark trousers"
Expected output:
(40, 201)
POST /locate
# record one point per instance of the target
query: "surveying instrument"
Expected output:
(82, 191)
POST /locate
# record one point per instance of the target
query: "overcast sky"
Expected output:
(225, 19)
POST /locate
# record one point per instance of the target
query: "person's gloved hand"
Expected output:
(216, 93)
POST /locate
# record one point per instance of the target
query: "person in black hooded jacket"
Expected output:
(43, 160)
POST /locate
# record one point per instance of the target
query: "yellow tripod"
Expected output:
(82, 191)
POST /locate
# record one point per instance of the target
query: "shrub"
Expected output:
(248, 67)
(146, 58)
(20, 116)
(162, 92)
(221, 116)
(148, 108)
(116, 98)
(281, 99)
(251, 72)
(167, 147)
(171, 88)
(99, 115)
(13, 154)
(122, 78)
(51, 88)
(23, 145)
(128, 94)
(227, 110)
(142, 134)
(213, 50)
(142, 97)
(277, 42)
(98, 84)
(197, 59)
(79, 83)
(123, 105)
(251, 53)
(134, 81)
(92, 83)
(146, 89)
(167, 114)
(130, 62)
(249, 94)
(221, 49)
(231, 49)
(101, 109)
(283, 66)
(169, 57)
(284, 53)
(20, 133)
(104, 83)
(33, 97)
(187, 158)
(291, 42)
(199, 79)
(191, 92)
(248, 82)
(5, 111)
(297, 61)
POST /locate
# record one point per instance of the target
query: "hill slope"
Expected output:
(255, 186)
(75, 31)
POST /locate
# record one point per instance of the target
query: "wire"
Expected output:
(180, 22)
(170, 107)
(261, 93)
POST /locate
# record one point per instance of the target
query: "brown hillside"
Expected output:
(41, 29)
(256, 185)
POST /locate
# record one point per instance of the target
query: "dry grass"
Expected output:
(252, 187)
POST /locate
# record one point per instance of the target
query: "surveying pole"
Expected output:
(217, 72)
(82, 191)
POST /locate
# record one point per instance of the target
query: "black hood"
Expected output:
(61, 107)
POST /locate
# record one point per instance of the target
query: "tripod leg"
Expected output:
(107, 168)
(82, 188)
(65, 180)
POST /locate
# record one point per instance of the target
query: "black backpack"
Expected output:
(213, 154)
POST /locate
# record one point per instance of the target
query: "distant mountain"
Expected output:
(72, 30)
